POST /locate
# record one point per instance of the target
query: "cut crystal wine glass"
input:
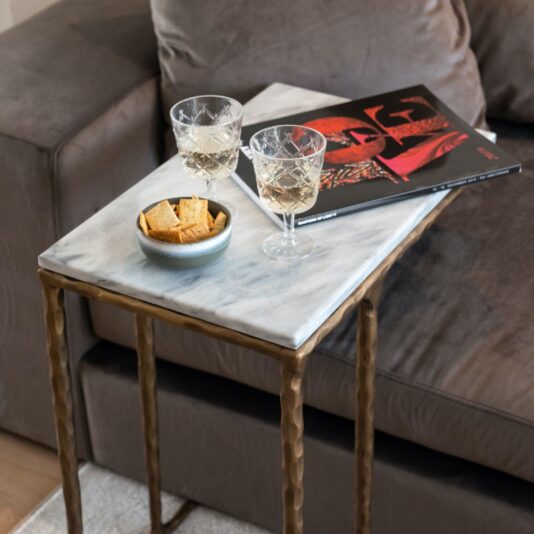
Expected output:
(287, 161)
(208, 135)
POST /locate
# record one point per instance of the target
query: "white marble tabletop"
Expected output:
(244, 290)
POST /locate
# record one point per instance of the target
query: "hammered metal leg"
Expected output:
(365, 395)
(62, 397)
(147, 380)
(292, 427)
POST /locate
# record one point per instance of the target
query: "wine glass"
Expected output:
(208, 136)
(287, 161)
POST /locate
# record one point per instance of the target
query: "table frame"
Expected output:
(293, 365)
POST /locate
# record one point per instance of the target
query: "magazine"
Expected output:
(386, 148)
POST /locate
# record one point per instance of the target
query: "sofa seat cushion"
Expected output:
(456, 338)
(220, 446)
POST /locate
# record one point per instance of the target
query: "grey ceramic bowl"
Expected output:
(187, 255)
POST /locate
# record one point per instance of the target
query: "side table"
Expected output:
(86, 262)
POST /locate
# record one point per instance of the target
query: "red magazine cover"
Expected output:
(387, 148)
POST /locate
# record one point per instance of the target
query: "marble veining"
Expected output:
(244, 290)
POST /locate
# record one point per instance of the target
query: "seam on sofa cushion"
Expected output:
(330, 354)
(436, 392)
(457, 400)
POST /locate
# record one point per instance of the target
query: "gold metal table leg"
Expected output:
(147, 380)
(144, 329)
(292, 428)
(365, 397)
(62, 396)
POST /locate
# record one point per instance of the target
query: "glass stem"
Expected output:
(289, 228)
(211, 188)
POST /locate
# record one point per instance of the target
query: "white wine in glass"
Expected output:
(287, 161)
(295, 189)
(209, 154)
(208, 135)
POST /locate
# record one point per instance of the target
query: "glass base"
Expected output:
(279, 248)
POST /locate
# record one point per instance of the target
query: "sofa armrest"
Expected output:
(80, 121)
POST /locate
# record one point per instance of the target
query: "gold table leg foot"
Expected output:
(62, 397)
(365, 395)
(292, 427)
(179, 517)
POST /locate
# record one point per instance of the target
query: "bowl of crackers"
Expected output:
(184, 231)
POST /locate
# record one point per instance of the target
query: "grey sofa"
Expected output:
(81, 121)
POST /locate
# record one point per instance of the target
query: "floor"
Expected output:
(28, 473)
(115, 504)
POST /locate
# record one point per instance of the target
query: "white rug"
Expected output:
(113, 504)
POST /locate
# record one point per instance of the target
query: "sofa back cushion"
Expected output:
(503, 40)
(353, 48)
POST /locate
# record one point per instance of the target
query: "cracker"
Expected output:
(211, 220)
(171, 235)
(162, 216)
(219, 223)
(143, 224)
(183, 226)
(198, 232)
(193, 210)
(189, 221)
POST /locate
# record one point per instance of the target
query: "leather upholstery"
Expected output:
(79, 123)
(220, 445)
(455, 340)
